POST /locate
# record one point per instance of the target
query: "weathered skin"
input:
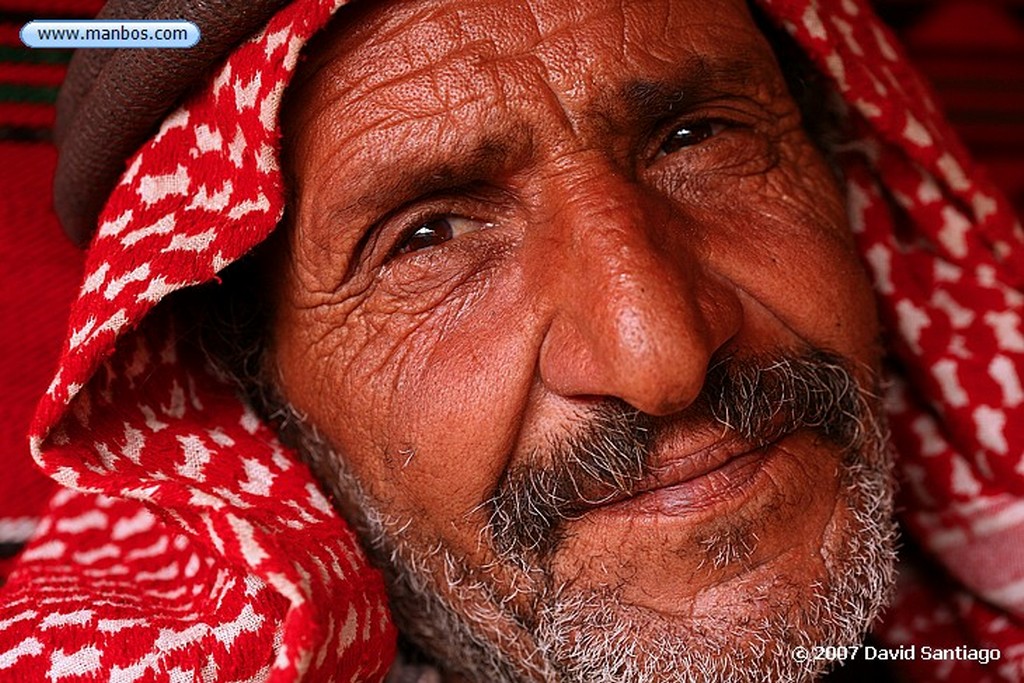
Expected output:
(589, 259)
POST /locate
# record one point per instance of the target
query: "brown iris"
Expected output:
(429, 234)
(688, 135)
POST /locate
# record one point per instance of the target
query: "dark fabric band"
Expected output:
(113, 100)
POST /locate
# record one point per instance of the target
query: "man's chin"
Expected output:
(793, 550)
(744, 627)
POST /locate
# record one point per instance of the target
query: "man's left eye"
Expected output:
(435, 232)
(688, 135)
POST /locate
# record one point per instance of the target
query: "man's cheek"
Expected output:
(793, 253)
(374, 345)
(447, 386)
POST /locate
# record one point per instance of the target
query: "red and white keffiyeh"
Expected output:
(189, 544)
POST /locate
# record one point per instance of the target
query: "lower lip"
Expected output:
(732, 480)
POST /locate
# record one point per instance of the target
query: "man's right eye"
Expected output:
(689, 135)
(436, 232)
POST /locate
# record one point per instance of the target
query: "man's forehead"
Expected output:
(377, 46)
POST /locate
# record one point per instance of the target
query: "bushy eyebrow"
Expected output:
(698, 79)
(484, 159)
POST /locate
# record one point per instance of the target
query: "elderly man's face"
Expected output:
(572, 297)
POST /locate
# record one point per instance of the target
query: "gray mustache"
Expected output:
(759, 398)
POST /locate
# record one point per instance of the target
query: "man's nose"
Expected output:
(637, 315)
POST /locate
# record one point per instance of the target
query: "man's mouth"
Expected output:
(682, 484)
(727, 447)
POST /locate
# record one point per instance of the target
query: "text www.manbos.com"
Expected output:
(109, 34)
